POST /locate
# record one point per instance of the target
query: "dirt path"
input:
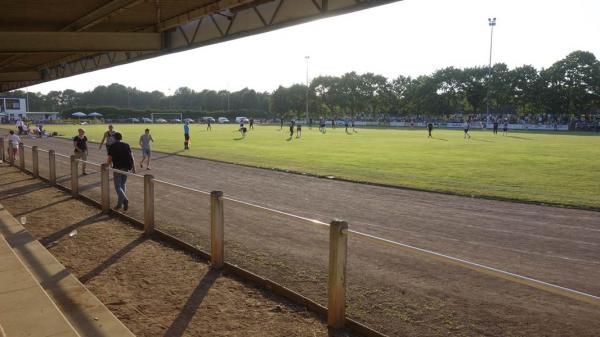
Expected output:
(393, 292)
(154, 289)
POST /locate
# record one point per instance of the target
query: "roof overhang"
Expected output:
(44, 41)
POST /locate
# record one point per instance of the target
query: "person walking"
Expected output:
(429, 128)
(466, 127)
(81, 148)
(121, 158)
(298, 130)
(20, 126)
(145, 140)
(495, 127)
(251, 124)
(208, 126)
(109, 137)
(505, 129)
(292, 122)
(186, 135)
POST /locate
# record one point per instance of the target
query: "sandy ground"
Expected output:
(393, 292)
(154, 289)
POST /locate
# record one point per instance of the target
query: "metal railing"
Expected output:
(338, 235)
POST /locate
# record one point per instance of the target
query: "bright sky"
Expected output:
(410, 37)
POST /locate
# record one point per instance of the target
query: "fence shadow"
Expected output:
(47, 240)
(17, 181)
(41, 208)
(22, 190)
(189, 309)
(111, 260)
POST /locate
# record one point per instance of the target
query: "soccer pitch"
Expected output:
(560, 168)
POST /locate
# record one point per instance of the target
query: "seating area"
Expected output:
(39, 297)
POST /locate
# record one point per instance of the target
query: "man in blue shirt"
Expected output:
(186, 136)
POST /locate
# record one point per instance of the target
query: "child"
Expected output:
(13, 145)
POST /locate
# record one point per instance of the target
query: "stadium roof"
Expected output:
(47, 40)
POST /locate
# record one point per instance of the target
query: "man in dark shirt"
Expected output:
(81, 149)
(121, 158)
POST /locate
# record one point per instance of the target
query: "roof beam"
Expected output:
(100, 14)
(34, 42)
(200, 12)
(20, 76)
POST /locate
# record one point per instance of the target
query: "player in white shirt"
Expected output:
(466, 127)
(13, 145)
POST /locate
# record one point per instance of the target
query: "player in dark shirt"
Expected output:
(292, 122)
(121, 158)
(495, 127)
(81, 148)
(429, 128)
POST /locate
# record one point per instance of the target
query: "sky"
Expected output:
(410, 38)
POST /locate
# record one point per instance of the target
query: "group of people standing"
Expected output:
(119, 157)
(467, 128)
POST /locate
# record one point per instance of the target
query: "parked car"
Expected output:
(189, 120)
(133, 120)
(223, 120)
(146, 120)
(160, 120)
(207, 119)
(242, 120)
(176, 120)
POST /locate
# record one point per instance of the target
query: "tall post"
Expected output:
(11, 157)
(74, 177)
(307, 58)
(216, 230)
(22, 156)
(104, 189)
(52, 167)
(338, 250)
(148, 204)
(492, 24)
(34, 161)
(2, 157)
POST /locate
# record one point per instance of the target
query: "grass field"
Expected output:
(561, 168)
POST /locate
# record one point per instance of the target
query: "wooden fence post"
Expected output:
(338, 249)
(34, 161)
(11, 157)
(2, 157)
(216, 230)
(104, 188)
(52, 167)
(74, 177)
(148, 204)
(22, 156)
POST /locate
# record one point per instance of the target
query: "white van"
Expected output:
(242, 120)
(223, 120)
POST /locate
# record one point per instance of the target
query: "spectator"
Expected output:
(121, 158)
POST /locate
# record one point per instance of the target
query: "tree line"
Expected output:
(569, 86)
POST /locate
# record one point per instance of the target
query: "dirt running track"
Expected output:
(396, 293)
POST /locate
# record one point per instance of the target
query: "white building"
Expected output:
(42, 115)
(13, 108)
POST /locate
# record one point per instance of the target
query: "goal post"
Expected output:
(168, 116)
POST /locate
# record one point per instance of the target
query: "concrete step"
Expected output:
(83, 311)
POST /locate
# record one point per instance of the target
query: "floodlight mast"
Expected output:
(307, 58)
(491, 24)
